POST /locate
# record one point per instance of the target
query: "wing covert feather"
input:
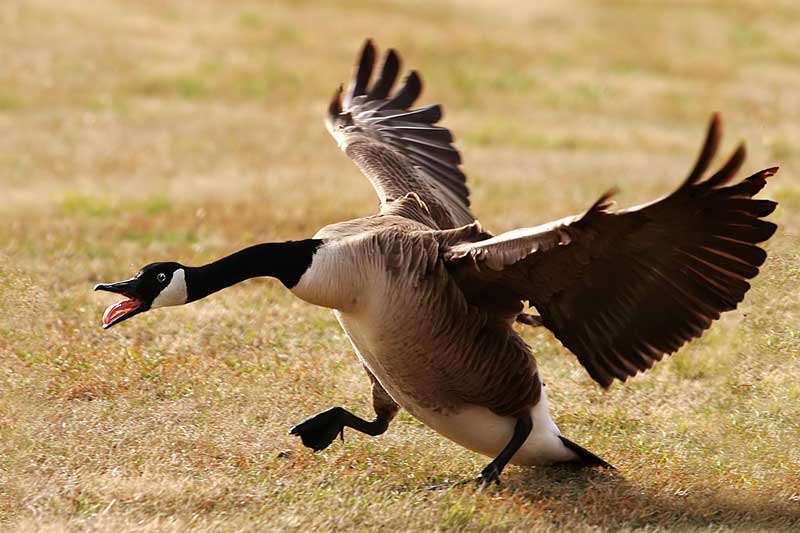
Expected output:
(399, 149)
(622, 289)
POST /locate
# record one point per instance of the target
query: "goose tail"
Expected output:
(585, 457)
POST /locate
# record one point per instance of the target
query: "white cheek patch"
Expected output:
(173, 294)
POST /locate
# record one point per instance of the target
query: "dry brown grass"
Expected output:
(135, 131)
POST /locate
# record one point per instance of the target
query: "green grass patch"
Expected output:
(788, 196)
(176, 238)
(250, 21)
(580, 97)
(102, 206)
(745, 35)
(782, 149)
(10, 102)
(154, 205)
(512, 135)
(513, 80)
(85, 205)
(185, 87)
(191, 87)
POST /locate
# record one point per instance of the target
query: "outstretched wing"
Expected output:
(399, 149)
(621, 289)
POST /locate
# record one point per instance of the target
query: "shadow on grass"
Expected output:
(607, 499)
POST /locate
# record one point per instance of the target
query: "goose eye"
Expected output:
(161, 277)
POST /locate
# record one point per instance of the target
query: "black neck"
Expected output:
(286, 261)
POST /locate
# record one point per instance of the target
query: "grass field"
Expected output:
(136, 131)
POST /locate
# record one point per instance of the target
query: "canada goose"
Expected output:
(428, 298)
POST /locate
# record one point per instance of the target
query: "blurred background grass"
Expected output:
(135, 131)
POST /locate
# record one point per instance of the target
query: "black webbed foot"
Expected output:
(319, 431)
(489, 476)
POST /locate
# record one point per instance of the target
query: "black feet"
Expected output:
(318, 431)
(489, 476)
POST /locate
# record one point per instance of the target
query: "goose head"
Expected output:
(156, 285)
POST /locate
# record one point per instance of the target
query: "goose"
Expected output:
(429, 298)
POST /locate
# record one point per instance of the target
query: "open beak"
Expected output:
(124, 309)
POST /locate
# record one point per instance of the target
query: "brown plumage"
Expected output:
(622, 289)
(399, 149)
(429, 298)
(619, 289)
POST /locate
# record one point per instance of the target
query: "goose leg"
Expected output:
(491, 474)
(319, 431)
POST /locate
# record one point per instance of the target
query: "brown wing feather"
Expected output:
(399, 149)
(622, 289)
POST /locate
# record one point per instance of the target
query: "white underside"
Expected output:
(474, 427)
(480, 430)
